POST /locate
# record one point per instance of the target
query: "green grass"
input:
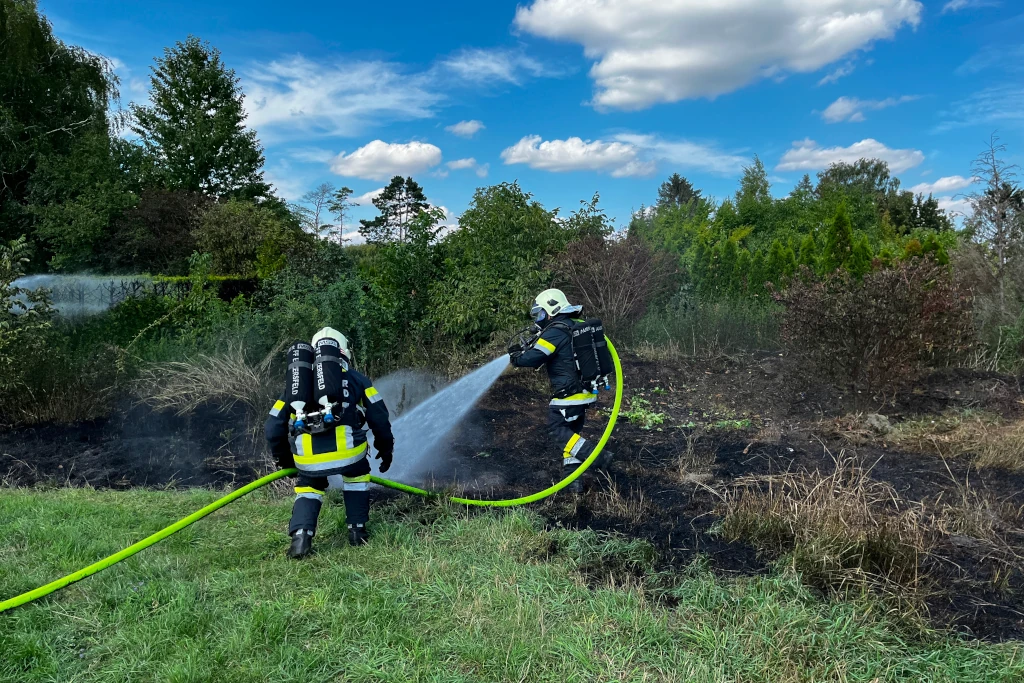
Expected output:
(439, 595)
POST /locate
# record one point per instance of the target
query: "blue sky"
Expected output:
(575, 96)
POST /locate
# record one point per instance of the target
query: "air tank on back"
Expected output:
(329, 375)
(299, 388)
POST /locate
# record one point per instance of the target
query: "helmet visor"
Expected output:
(538, 313)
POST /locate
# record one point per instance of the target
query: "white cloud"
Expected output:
(470, 163)
(950, 183)
(955, 206)
(852, 109)
(379, 160)
(652, 51)
(837, 73)
(990, 107)
(685, 154)
(574, 154)
(460, 164)
(493, 66)
(316, 155)
(957, 5)
(298, 96)
(806, 155)
(366, 199)
(466, 129)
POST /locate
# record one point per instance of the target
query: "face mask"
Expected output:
(538, 314)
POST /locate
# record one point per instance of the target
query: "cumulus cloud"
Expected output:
(950, 183)
(852, 109)
(621, 159)
(955, 206)
(685, 154)
(651, 51)
(298, 96)
(807, 155)
(837, 73)
(465, 129)
(479, 65)
(379, 160)
(366, 199)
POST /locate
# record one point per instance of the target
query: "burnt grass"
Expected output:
(741, 415)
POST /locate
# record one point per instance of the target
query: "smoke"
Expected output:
(83, 295)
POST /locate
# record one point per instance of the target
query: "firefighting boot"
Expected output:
(604, 459)
(357, 534)
(302, 544)
(577, 484)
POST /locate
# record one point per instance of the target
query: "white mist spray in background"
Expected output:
(420, 432)
(82, 295)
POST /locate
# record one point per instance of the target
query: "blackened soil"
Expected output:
(722, 420)
(134, 447)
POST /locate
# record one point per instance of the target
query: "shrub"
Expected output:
(879, 332)
(615, 279)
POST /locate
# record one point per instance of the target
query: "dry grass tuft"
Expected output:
(225, 379)
(841, 530)
(630, 506)
(988, 439)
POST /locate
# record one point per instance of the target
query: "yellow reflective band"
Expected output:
(308, 489)
(321, 458)
(373, 395)
(276, 410)
(371, 392)
(572, 442)
(353, 480)
(575, 399)
(546, 346)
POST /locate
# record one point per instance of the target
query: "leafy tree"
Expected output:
(52, 95)
(499, 258)
(677, 191)
(838, 242)
(24, 314)
(243, 238)
(400, 202)
(158, 234)
(196, 125)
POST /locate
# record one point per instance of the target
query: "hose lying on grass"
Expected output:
(263, 481)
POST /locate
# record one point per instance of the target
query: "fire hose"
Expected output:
(153, 539)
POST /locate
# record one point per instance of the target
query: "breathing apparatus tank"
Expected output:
(299, 387)
(329, 368)
(593, 359)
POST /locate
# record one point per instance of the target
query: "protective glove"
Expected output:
(285, 461)
(514, 351)
(385, 456)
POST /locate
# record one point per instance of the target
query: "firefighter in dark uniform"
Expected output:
(567, 412)
(337, 445)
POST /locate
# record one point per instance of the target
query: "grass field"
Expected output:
(438, 596)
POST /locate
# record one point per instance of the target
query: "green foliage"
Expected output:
(25, 316)
(838, 242)
(195, 126)
(401, 201)
(641, 415)
(244, 238)
(498, 260)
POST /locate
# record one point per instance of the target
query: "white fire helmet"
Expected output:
(550, 303)
(331, 333)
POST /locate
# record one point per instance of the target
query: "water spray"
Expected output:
(235, 495)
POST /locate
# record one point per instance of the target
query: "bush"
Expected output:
(877, 333)
(615, 279)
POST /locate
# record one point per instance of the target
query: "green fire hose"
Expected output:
(248, 488)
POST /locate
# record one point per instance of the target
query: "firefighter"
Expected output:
(318, 428)
(567, 412)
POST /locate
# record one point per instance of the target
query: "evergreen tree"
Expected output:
(838, 242)
(808, 253)
(859, 263)
(789, 264)
(741, 281)
(399, 204)
(758, 274)
(340, 206)
(776, 262)
(677, 191)
(195, 126)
